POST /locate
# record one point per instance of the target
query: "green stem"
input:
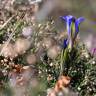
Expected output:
(61, 63)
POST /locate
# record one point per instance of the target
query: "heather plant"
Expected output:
(38, 59)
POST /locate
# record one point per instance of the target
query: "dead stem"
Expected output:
(2, 26)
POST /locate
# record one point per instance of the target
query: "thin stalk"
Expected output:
(61, 63)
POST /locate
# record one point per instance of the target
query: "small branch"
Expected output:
(10, 37)
(2, 26)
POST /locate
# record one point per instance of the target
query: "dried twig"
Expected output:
(2, 26)
(10, 37)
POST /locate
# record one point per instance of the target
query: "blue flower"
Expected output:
(77, 23)
(65, 43)
(72, 24)
(68, 20)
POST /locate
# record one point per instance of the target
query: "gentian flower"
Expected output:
(68, 20)
(65, 43)
(72, 25)
(77, 23)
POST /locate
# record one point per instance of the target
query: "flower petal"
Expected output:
(68, 20)
(79, 20)
(65, 43)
